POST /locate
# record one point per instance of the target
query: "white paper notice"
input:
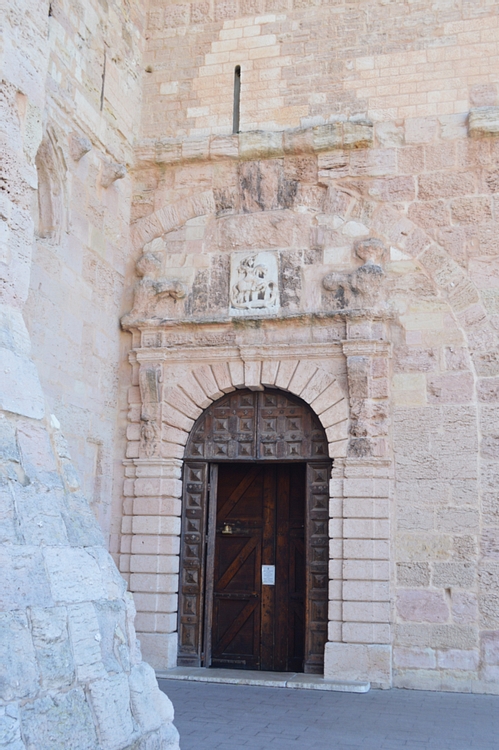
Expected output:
(268, 575)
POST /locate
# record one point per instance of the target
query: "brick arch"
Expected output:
(206, 383)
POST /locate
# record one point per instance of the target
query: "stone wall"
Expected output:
(383, 235)
(71, 674)
(304, 62)
(81, 249)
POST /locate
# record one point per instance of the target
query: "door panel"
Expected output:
(260, 520)
(237, 567)
(317, 541)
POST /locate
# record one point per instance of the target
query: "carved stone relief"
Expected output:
(150, 380)
(153, 290)
(254, 283)
(363, 287)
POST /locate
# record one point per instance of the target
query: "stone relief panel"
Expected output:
(150, 383)
(364, 287)
(254, 283)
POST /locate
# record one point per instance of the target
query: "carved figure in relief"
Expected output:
(149, 436)
(152, 289)
(361, 288)
(253, 289)
(150, 380)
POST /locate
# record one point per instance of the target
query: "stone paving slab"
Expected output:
(212, 716)
(293, 680)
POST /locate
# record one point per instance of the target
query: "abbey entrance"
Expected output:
(257, 496)
(254, 551)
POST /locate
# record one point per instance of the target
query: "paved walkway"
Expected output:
(228, 717)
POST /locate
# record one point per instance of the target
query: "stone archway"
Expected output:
(253, 429)
(173, 387)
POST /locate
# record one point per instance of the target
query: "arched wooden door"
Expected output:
(254, 551)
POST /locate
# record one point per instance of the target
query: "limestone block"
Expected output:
(422, 606)
(24, 579)
(111, 617)
(10, 728)
(464, 607)
(358, 134)
(489, 651)
(460, 575)
(110, 699)
(205, 377)
(414, 658)
(318, 383)
(49, 628)
(327, 137)
(37, 455)
(222, 376)
(285, 372)
(483, 122)
(20, 390)
(462, 637)
(74, 574)
(456, 659)
(40, 514)
(358, 662)
(9, 528)
(260, 144)
(85, 638)
(166, 738)
(150, 707)
(114, 585)
(302, 376)
(19, 676)
(179, 400)
(60, 722)
(81, 525)
(159, 649)
(413, 573)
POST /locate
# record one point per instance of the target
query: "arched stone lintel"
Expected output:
(204, 384)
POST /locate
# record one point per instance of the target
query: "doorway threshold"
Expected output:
(262, 679)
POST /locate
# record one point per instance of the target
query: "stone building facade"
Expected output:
(340, 248)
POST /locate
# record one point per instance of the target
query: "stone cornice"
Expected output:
(257, 144)
(257, 321)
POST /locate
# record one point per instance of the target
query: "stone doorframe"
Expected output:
(173, 383)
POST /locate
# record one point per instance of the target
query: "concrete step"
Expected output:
(262, 679)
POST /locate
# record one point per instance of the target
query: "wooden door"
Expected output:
(260, 521)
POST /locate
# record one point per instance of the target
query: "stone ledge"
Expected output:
(262, 679)
(483, 122)
(258, 144)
